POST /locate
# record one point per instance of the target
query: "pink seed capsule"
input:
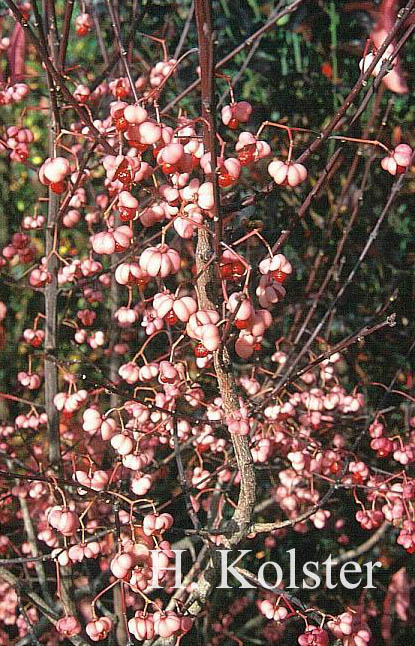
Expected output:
(150, 132)
(135, 114)
(98, 629)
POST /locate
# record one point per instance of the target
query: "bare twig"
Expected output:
(353, 554)
(123, 51)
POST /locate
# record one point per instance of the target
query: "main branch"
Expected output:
(207, 284)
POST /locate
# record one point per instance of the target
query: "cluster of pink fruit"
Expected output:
(146, 202)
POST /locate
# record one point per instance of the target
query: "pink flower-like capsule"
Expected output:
(362, 636)
(129, 372)
(209, 337)
(202, 327)
(399, 161)
(98, 481)
(205, 197)
(103, 243)
(49, 537)
(28, 380)
(83, 24)
(376, 429)
(369, 518)
(236, 113)
(166, 624)
(331, 401)
(242, 111)
(170, 154)
(122, 443)
(18, 91)
(126, 317)
(92, 420)
(135, 462)
(54, 170)
(148, 372)
(229, 172)
(341, 626)
(245, 139)
(150, 321)
(135, 114)
(40, 277)
(382, 445)
(187, 225)
(149, 132)
(168, 373)
(63, 520)
(169, 193)
(18, 135)
(140, 579)
(262, 450)
(62, 557)
(138, 411)
(112, 241)
(320, 518)
(182, 307)
(406, 537)
(404, 455)
(251, 385)
(300, 460)
(82, 93)
(130, 273)
(271, 611)
(78, 199)
(108, 428)
(313, 399)
(68, 626)
(189, 192)
(269, 292)
(163, 303)
(121, 565)
(20, 153)
(359, 470)
(141, 626)
(238, 422)
(141, 484)
(71, 218)
(285, 174)
(120, 87)
(198, 320)
(246, 344)
(160, 261)
(89, 267)
(127, 206)
(59, 401)
(75, 401)
(34, 337)
(157, 524)
(81, 551)
(314, 637)
(33, 222)
(153, 214)
(98, 629)
(244, 308)
(87, 317)
(278, 266)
